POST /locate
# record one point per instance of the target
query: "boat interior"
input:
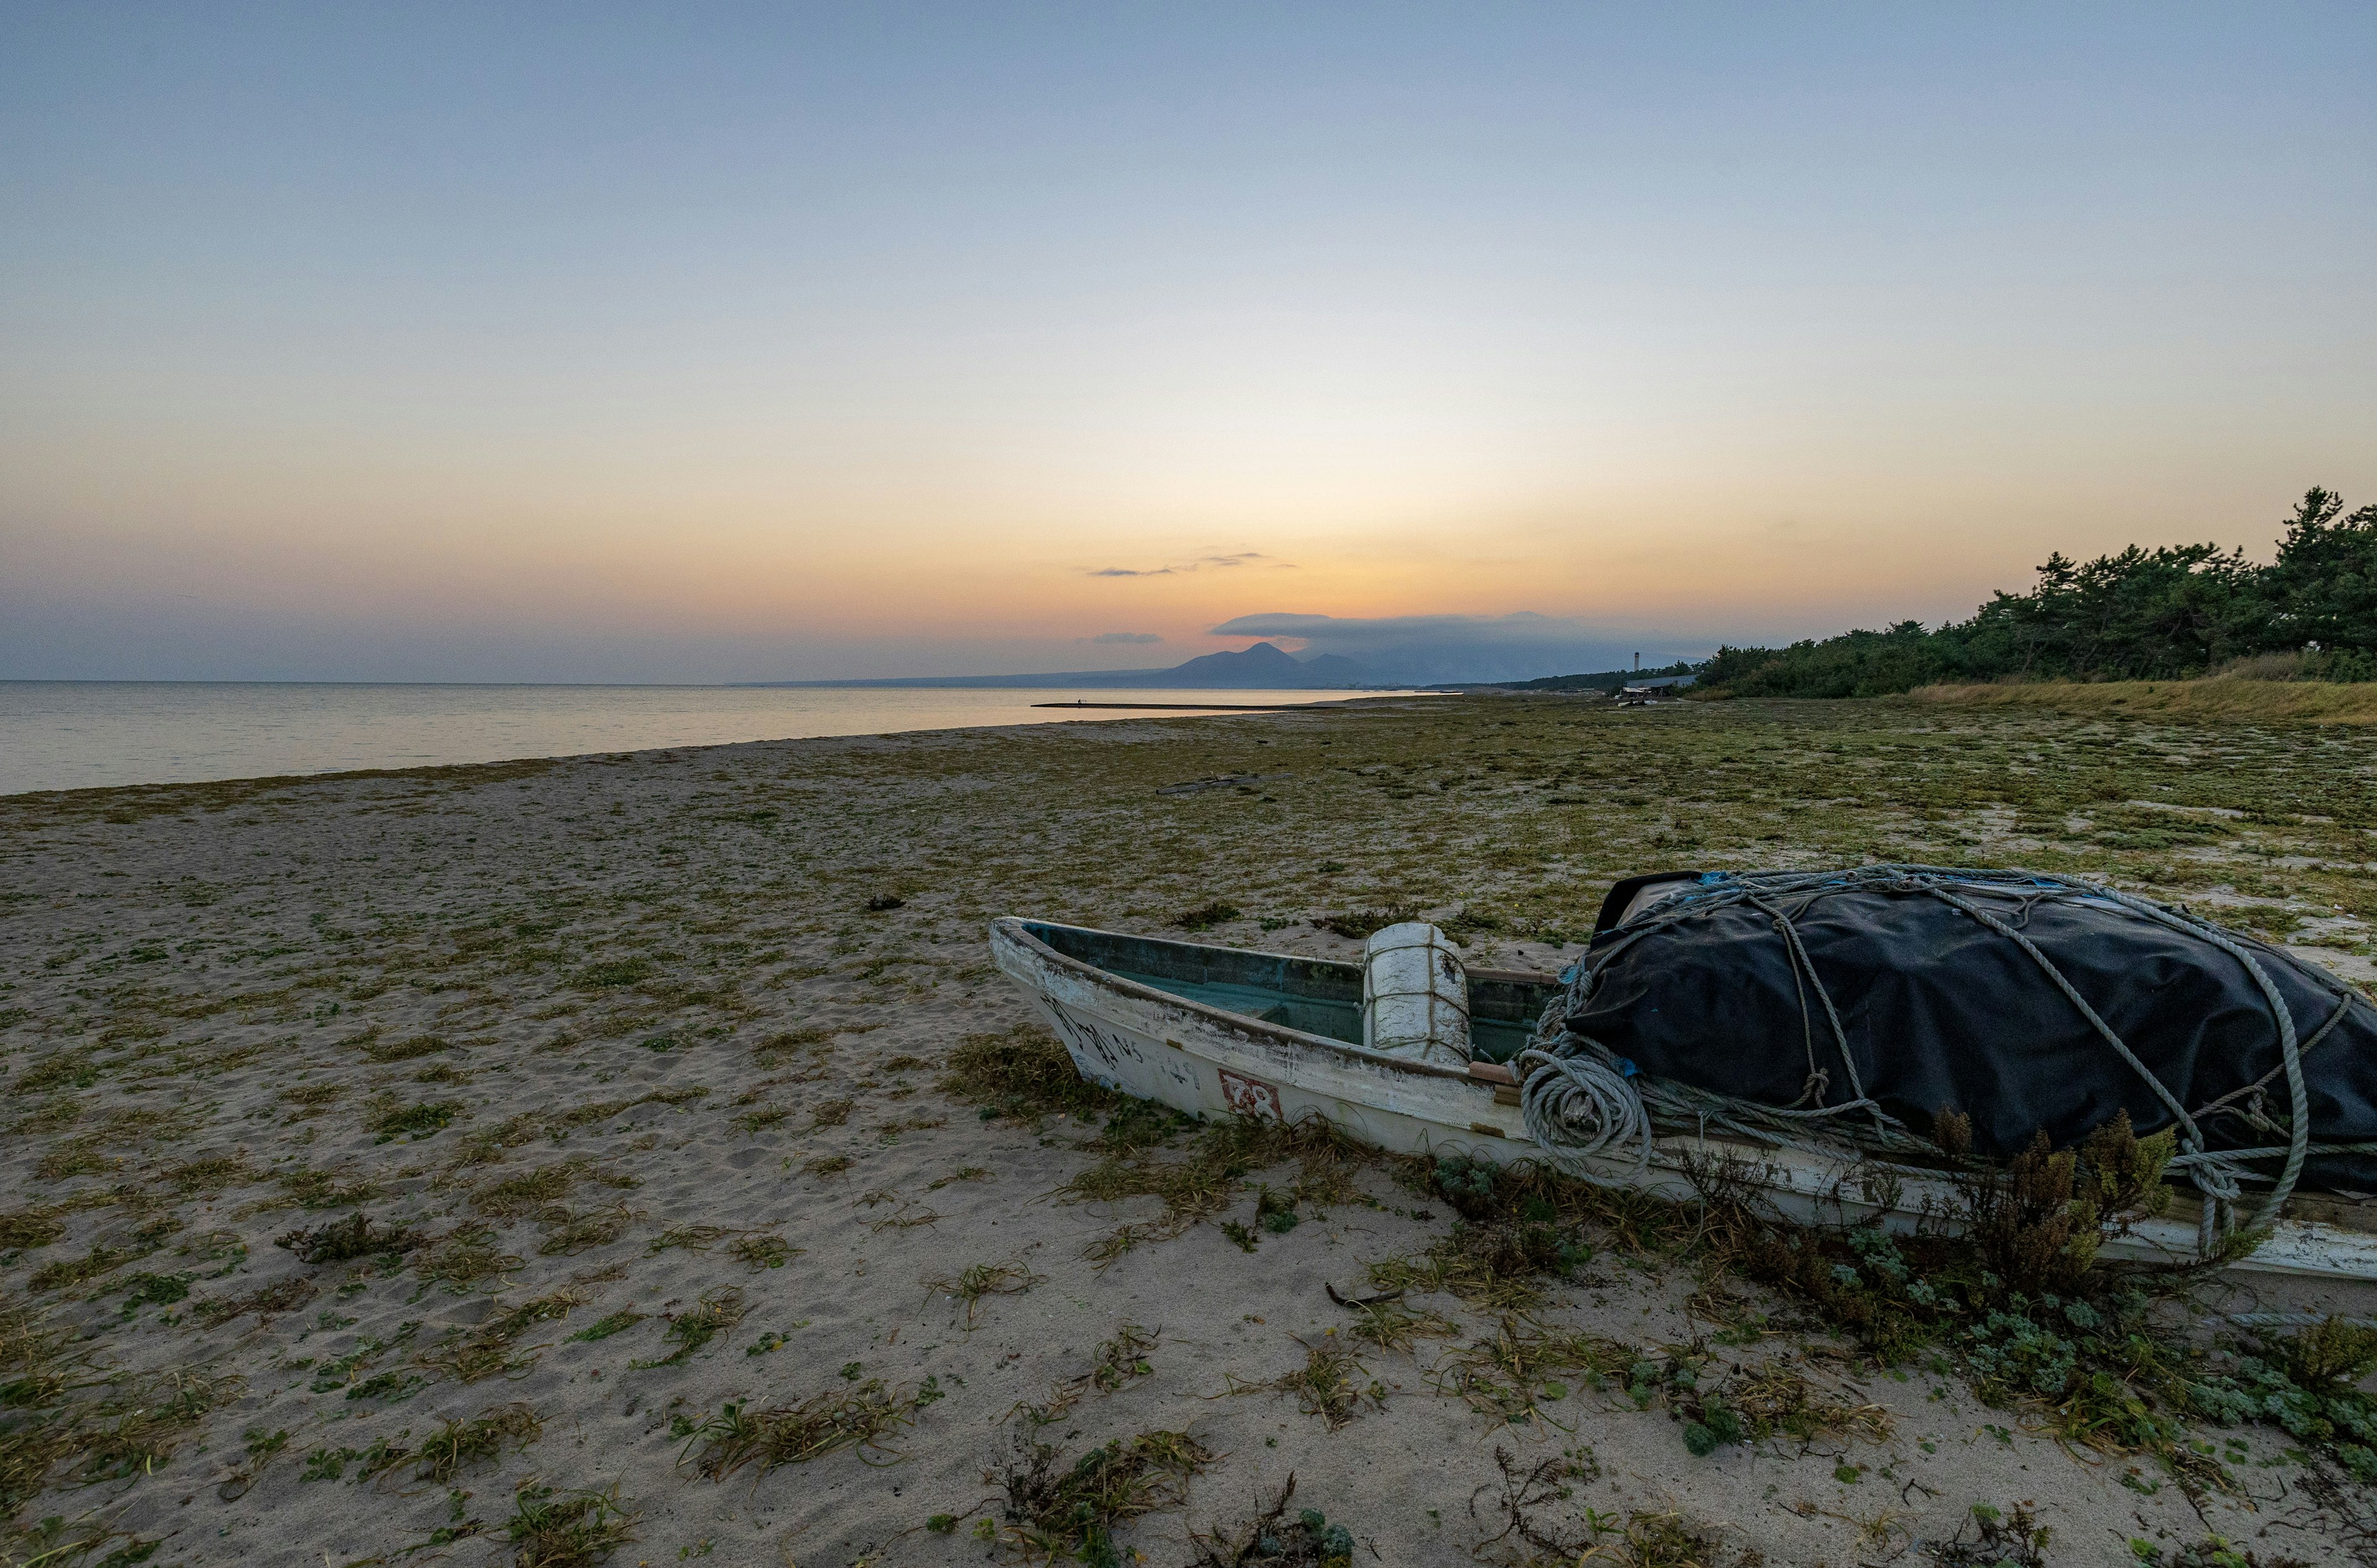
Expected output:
(1317, 995)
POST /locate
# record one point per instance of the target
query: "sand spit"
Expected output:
(672, 1245)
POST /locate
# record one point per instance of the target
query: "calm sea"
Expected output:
(76, 735)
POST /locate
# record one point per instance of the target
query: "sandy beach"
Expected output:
(694, 1227)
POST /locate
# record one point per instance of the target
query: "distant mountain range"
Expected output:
(1263, 667)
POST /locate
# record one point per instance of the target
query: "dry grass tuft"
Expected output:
(1223, 1155)
(693, 1328)
(1057, 1511)
(211, 1175)
(68, 1272)
(483, 1436)
(859, 1417)
(312, 1100)
(357, 1235)
(1775, 1397)
(1363, 923)
(569, 1233)
(1272, 1540)
(1119, 1361)
(29, 1227)
(511, 1196)
(492, 1349)
(763, 1249)
(465, 1259)
(566, 1529)
(384, 1051)
(1513, 1372)
(979, 1280)
(283, 1296)
(1389, 1324)
(1328, 1385)
(1021, 1075)
(692, 1238)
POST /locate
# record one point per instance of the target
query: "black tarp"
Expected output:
(1940, 1010)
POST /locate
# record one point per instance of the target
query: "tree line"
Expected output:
(2165, 614)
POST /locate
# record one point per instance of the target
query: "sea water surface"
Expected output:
(79, 735)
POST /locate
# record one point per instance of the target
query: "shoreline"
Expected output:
(245, 736)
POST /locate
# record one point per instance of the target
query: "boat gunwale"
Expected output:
(1014, 928)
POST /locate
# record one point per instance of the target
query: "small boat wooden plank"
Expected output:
(1222, 1031)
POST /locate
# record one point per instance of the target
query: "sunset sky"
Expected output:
(698, 342)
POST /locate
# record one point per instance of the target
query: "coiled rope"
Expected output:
(1582, 1104)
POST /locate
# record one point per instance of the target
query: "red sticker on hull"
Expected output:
(1249, 1096)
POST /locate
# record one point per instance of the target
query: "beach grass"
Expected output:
(558, 1083)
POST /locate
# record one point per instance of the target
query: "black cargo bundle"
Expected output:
(1857, 1004)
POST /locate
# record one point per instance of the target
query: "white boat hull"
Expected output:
(1207, 1062)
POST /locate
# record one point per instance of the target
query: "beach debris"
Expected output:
(763, 1249)
(907, 1217)
(1205, 917)
(1220, 781)
(1362, 924)
(1070, 1511)
(1273, 1538)
(357, 1235)
(692, 1238)
(1999, 1539)
(1548, 1483)
(416, 1122)
(511, 1196)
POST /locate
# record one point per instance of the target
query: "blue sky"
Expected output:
(768, 342)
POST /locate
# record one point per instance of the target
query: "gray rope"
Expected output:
(2290, 1052)
(1579, 1107)
(1799, 960)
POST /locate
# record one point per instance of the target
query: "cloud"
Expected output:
(1237, 560)
(1121, 636)
(1425, 648)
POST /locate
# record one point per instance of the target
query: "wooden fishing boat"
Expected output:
(1224, 1031)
